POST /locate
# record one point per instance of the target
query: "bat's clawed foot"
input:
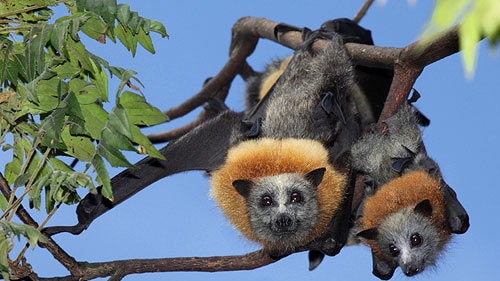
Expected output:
(320, 248)
(382, 269)
(215, 105)
(315, 259)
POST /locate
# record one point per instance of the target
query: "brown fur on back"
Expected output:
(272, 75)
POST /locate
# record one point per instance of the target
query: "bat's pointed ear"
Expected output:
(424, 208)
(370, 233)
(243, 187)
(315, 176)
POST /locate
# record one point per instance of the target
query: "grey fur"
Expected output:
(300, 217)
(294, 107)
(383, 157)
(397, 230)
(254, 84)
(375, 153)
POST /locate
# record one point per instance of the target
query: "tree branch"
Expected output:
(362, 12)
(57, 252)
(410, 63)
(121, 268)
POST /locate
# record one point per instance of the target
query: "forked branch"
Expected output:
(407, 63)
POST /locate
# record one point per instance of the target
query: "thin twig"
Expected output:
(179, 132)
(44, 222)
(21, 11)
(57, 252)
(362, 12)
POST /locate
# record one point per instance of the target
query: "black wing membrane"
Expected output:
(204, 148)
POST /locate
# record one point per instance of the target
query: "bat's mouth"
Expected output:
(286, 227)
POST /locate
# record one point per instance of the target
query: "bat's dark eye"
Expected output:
(266, 201)
(295, 197)
(415, 240)
(394, 250)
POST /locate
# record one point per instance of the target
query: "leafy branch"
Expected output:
(52, 105)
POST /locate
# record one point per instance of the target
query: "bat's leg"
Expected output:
(458, 219)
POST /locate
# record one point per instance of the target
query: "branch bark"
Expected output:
(119, 269)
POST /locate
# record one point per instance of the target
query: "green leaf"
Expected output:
(48, 93)
(145, 145)
(95, 119)
(107, 148)
(102, 177)
(75, 121)
(78, 55)
(59, 34)
(81, 179)
(116, 136)
(134, 22)
(118, 122)
(85, 92)
(469, 35)
(126, 37)
(158, 27)
(145, 41)
(51, 129)
(447, 12)
(79, 147)
(59, 165)
(21, 180)
(73, 25)
(31, 234)
(94, 27)
(13, 168)
(66, 70)
(123, 13)
(35, 193)
(100, 80)
(105, 8)
(3, 202)
(139, 111)
(487, 11)
(35, 54)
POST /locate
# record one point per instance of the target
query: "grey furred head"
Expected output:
(408, 238)
(283, 208)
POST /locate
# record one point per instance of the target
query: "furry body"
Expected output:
(299, 120)
(375, 153)
(259, 85)
(294, 108)
(398, 175)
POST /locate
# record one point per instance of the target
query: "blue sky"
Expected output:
(175, 217)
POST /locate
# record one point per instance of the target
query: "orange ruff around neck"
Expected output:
(402, 192)
(268, 157)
